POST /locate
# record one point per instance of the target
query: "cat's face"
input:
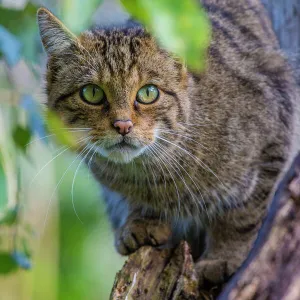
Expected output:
(116, 83)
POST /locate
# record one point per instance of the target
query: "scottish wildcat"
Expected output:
(185, 151)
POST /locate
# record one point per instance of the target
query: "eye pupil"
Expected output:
(92, 94)
(147, 94)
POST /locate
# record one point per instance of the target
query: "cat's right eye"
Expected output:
(92, 94)
(148, 94)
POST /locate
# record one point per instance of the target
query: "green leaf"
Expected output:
(7, 263)
(26, 248)
(22, 23)
(9, 217)
(21, 137)
(57, 127)
(3, 187)
(181, 27)
(76, 15)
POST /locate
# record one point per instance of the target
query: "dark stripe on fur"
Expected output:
(76, 117)
(214, 52)
(263, 23)
(212, 9)
(179, 104)
(61, 98)
(227, 35)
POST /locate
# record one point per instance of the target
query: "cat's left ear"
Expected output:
(56, 37)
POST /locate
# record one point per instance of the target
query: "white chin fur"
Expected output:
(121, 156)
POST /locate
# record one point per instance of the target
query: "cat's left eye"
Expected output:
(92, 94)
(148, 94)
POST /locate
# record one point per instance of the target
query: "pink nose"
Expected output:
(123, 127)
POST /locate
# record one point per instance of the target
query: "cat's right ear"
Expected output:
(56, 37)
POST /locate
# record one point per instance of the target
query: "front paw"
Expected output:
(213, 273)
(140, 232)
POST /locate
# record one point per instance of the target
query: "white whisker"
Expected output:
(165, 164)
(53, 134)
(183, 180)
(188, 138)
(73, 182)
(201, 163)
(91, 158)
(196, 202)
(59, 182)
(39, 139)
(65, 148)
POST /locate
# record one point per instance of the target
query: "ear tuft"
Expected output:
(56, 37)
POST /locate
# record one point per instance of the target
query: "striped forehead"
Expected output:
(116, 51)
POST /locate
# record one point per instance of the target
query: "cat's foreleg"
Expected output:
(133, 228)
(229, 241)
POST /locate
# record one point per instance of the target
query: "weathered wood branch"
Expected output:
(157, 274)
(272, 270)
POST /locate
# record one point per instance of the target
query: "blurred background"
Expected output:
(54, 245)
(46, 252)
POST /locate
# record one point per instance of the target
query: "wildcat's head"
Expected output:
(116, 82)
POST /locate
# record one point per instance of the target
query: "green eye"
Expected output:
(93, 94)
(147, 94)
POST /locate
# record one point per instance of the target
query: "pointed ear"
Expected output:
(55, 36)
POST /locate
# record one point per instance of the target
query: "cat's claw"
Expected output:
(140, 232)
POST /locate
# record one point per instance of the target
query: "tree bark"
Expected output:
(157, 274)
(272, 270)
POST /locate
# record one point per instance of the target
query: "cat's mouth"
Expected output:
(122, 151)
(122, 146)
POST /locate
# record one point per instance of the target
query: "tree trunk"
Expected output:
(285, 16)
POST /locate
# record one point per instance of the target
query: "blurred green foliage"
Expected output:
(55, 127)
(22, 24)
(3, 188)
(85, 263)
(9, 217)
(7, 263)
(21, 136)
(76, 15)
(182, 27)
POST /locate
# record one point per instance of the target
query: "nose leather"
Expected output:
(123, 127)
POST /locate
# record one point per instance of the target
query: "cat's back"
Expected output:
(242, 22)
(244, 42)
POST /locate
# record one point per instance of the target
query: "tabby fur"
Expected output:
(214, 144)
